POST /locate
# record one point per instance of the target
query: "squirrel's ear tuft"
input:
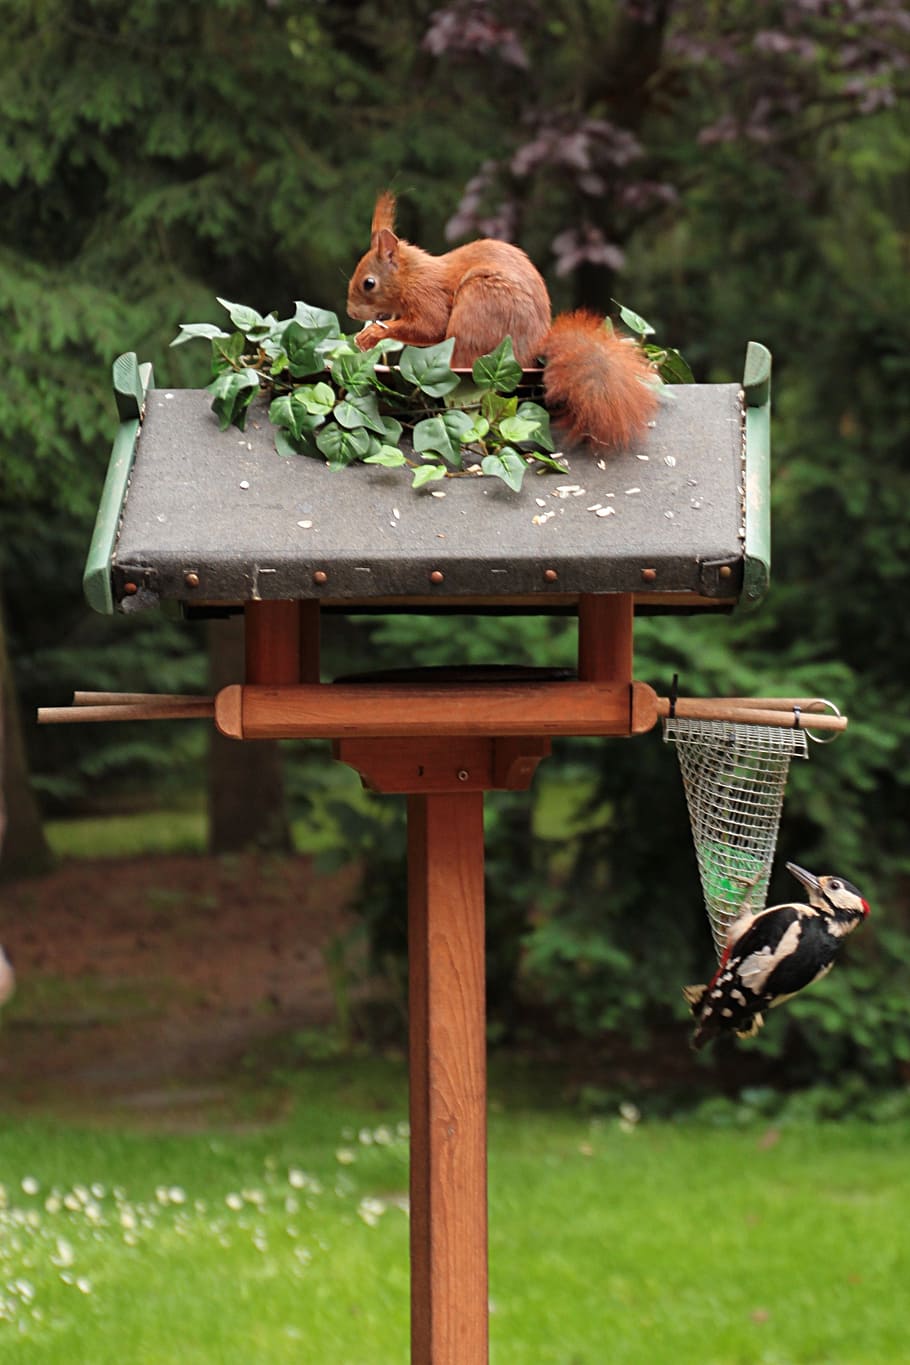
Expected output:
(385, 243)
(384, 212)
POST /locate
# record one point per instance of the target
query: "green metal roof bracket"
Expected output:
(131, 382)
(757, 393)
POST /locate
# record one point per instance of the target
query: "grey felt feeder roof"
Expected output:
(214, 518)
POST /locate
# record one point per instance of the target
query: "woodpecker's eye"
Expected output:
(837, 886)
(369, 284)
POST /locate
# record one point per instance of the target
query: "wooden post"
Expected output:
(272, 642)
(308, 627)
(605, 623)
(449, 1286)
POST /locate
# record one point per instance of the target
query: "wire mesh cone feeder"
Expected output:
(734, 776)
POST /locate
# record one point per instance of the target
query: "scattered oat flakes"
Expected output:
(305, 525)
(630, 491)
(670, 460)
(595, 507)
(437, 493)
(396, 514)
(244, 483)
(606, 512)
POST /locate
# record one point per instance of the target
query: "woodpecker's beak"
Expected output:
(808, 879)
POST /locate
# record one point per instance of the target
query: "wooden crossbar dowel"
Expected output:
(199, 709)
(774, 703)
(138, 698)
(755, 712)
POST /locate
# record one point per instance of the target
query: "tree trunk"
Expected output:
(23, 847)
(246, 799)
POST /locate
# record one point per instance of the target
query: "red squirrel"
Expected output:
(599, 385)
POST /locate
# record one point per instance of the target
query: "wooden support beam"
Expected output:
(447, 1026)
(436, 764)
(605, 622)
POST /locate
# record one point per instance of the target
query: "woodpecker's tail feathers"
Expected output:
(601, 385)
(694, 995)
(755, 1023)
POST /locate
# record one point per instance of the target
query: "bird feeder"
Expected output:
(218, 521)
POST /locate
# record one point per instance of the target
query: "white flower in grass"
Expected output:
(176, 1195)
(345, 1157)
(83, 1285)
(64, 1255)
(234, 1202)
(371, 1210)
(30, 1185)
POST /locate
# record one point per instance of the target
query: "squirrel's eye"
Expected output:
(369, 283)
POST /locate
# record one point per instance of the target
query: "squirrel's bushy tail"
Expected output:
(600, 386)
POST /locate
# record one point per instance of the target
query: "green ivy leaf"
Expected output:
(361, 410)
(227, 350)
(634, 321)
(673, 369)
(392, 429)
(496, 408)
(429, 367)
(444, 434)
(547, 462)
(479, 429)
(388, 457)
(303, 410)
(518, 429)
(248, 321)
(287, 444)
(316, 318)
(499, 370)
(315, 398)
(341, 447)
(189, 330)
(304, 347)
(427, 473)
(533, 412)
(507, 465)
(356, 373)
(232, 392)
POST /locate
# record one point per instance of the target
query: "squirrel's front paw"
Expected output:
(370, 336)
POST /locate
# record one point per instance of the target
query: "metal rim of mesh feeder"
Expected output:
(734, 776)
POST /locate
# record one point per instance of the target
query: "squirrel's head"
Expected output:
(373, 289)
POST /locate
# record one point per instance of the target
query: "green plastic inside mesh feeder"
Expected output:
(732, 879)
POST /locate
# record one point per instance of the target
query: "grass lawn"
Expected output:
(611, 1242)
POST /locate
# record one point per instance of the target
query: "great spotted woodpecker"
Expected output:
(771, 956)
